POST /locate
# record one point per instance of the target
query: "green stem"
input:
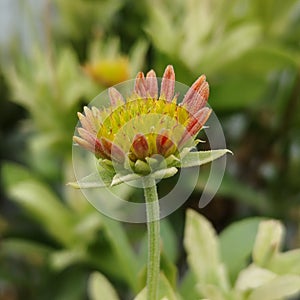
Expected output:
(153, 264)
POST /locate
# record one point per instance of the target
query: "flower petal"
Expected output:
(112, 150)
(197, 96)
(140, 146)
(87, 120)
(151, 84)
(140, 85)
(168, 84)
(198, 120)
(90, 142)
(115, 97)
(164, 144)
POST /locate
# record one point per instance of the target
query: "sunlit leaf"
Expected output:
(268, 242)
(100, 288)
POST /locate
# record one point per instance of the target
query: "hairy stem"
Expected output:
(153, 226)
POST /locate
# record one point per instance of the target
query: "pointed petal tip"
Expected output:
(169, 73)
(115, 97)
(168, 84)
(140, 146)
(150, 74)
(140, 75)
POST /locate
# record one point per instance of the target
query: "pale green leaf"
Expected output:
(128, 264)
(90, 181)
(165, 290)
(202, 249)
(268, 242)
(199, 158)
(60, 260)
(253, 277)
(40, 202)
(236, 244)
(287, 262)
(283, 286)
(100, 288)
(34, 252)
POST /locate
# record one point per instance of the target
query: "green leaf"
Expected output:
(202, 248)
(278, 288)
(268, 242)
(34, 252)
(188, 288)
(40, 203)
(165, 290)
(287, 262)
(119, 178)
(253, 277)
(168, 268)
(199, 158)
(90, 181)
(60, 260)
(236, 244)
(100, 288)
(123, 251)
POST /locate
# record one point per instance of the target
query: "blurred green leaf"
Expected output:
(283, 286)
(165, 291)
(169, 240)
(268, 242)
(202, 248)
(236, 243)
(198, 158)
(123, 251)
(253, 277)
(287, 262)
(100, 288)
(40, 203)
(32, 251)
(187, 288)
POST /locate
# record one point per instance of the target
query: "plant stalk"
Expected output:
(153, 227)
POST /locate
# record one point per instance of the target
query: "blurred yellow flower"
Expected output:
(108, 72)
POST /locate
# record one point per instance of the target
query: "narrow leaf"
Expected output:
(199, 158)
(100, 288)
(202, 249)
(278, 288)
(236, 244)
(268, 242)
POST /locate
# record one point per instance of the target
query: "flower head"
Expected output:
(148, 125)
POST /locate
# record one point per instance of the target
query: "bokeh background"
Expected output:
(57, 55)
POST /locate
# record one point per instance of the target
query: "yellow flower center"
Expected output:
(149, 117)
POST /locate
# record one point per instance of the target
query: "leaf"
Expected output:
(60, 260)
(287, 262)
(165, 290)
(268, 242)
(283, 286)
(187, 287)
(125, 255)
(34, 252)
(90, 181)
(100, 288)
(236, 244)
(202, 248)
(253, 277)
(199, 158)
(40, 203)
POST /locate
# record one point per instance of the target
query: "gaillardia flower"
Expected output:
(148, 132)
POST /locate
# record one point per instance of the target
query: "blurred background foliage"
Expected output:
(56, 56)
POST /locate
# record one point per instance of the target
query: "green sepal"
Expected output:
(172, 161)
(164, 173)
(141, 167)
(198, 158)
(120, 178)
(93, 180)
